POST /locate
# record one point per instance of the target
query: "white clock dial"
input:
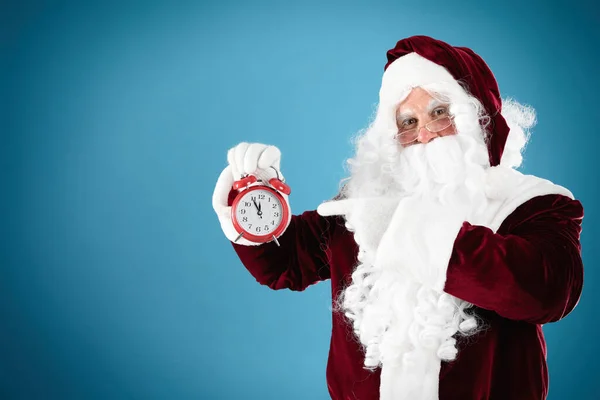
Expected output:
(259, 212)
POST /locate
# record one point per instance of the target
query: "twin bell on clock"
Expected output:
(259, 211)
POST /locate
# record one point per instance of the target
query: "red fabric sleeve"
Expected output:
(302, 259)
(530, 270)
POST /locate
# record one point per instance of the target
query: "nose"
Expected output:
(425, 136)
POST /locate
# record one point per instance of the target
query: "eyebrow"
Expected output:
(433, 104)
(405, 114)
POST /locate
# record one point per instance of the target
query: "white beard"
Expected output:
(396, 302)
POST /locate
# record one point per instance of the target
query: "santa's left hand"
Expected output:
(366, 217)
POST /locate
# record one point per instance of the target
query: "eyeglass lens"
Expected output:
(434, 126)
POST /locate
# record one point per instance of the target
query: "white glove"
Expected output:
(367, 217)
(245, 158)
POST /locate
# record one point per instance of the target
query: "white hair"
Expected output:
(521, 118)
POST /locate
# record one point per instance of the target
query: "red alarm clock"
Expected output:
(259, 212)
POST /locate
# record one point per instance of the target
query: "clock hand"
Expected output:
(258, 212)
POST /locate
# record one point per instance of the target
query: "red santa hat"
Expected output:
(419, 60)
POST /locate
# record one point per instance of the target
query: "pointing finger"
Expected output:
(339, 207)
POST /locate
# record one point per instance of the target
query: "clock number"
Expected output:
(242, 211)
(274, 205)
(261, 196)
(266, 227)
(258, 229)
(247, 204)
(272, 222)
(245, 219)
(250, 226)
(276, 214)
(253, 198)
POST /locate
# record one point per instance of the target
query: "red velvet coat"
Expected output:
(527, 274)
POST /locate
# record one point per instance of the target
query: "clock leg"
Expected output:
(276, 242)
(239, 236)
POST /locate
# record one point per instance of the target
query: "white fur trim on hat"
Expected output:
(410, 71)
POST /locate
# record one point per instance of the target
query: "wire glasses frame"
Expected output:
(435, 126)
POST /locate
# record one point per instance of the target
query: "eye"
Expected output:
(408, 122)
(440, 111)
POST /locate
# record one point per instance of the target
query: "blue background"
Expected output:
(116, 280)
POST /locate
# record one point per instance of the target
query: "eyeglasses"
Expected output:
(435, 126)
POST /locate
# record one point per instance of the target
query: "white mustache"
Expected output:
(423, 167)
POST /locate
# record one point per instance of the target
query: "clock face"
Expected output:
(259, 212)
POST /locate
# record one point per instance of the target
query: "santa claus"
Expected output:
(444, 260)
